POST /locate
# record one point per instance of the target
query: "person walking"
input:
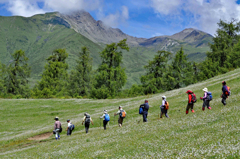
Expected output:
(87, 119)
(206, 101)
(69, 127)
(163, 107)
(106, 119)
(225, 93)
(190, 101)
(57, 128)
(122, 114)
(145, 108)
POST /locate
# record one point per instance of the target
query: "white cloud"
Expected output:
(206, 14)
(114, 20)
(24, 7)
(30, 7)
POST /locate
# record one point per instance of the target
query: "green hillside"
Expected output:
(209, 134)
(39, 35)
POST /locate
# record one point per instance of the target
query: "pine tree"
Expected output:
(54, 77)
(17, 72)
(182, 70)
(81, 78)
(153, 81)
(111, 77)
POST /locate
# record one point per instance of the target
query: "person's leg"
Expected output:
(204, 105)
(192, 107)
(224, 99)
(187, 108)
(144, 116)
(69, 131)
(105, 124)
(86, 127)
(120, 121)
(166, 114)
(208, 105)
(57, 134)
(162, 111)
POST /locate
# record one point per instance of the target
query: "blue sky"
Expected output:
(140, 18)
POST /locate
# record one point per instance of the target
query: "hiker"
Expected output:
(87, 119)
(70, 127)
(57, 128)
(191, 101)
(206, 100)
(145, 108)
(225, 93)
(163, 107)
(122, 114)
(106, 118)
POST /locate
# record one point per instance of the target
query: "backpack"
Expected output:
(194, 98)
(228, 92)
(209, 96)
(140, 110)
(166, 105)
(122, 113)
(87, 119)
(107, 117)
(72, 127)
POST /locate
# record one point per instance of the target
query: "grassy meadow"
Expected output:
(204, 134)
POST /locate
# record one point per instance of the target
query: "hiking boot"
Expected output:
(186, 111)
(209, 108)
(203, 108)
(193, 111)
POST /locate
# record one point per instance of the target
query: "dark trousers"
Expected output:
(105, 124)
(206, 103)
(87, 127)
(69, 131)
(224, 98)
(164, 111)
(145, 114)
(190, 105)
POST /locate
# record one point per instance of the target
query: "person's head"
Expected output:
(56, 118)
(85, 114)
(164, 97)
(189, 92)
(120, 107)
(146, 101)
(68, 120)
(223, 82)
(205, 90)
(105, 111)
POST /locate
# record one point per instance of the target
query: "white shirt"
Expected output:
(69, 124)
(163, 103)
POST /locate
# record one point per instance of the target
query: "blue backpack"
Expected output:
(72, 127)
(209, 96)
(107, 117)
(140, 110)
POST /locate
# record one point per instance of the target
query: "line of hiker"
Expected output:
(143, 110)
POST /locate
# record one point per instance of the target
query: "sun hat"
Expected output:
(205, 90)
(164, 97)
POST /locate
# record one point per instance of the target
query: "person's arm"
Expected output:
(117, 113)
(55, 126)
(102, 116)
(91, 121)
(83, 119)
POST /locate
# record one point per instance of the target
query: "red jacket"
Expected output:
(189, 98)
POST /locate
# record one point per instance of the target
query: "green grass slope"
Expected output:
(203, 134)
(38, 36)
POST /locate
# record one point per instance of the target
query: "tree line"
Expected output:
(110, 77)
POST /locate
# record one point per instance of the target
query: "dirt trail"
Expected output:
(41, 136)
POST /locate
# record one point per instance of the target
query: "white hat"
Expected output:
(205, 90)
(164, 97)
(105, 111)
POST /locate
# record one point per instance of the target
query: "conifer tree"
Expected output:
(182, 70)
(17, 72)
(153, 81)
(81, 77)
(54, 77)
(111, 77)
